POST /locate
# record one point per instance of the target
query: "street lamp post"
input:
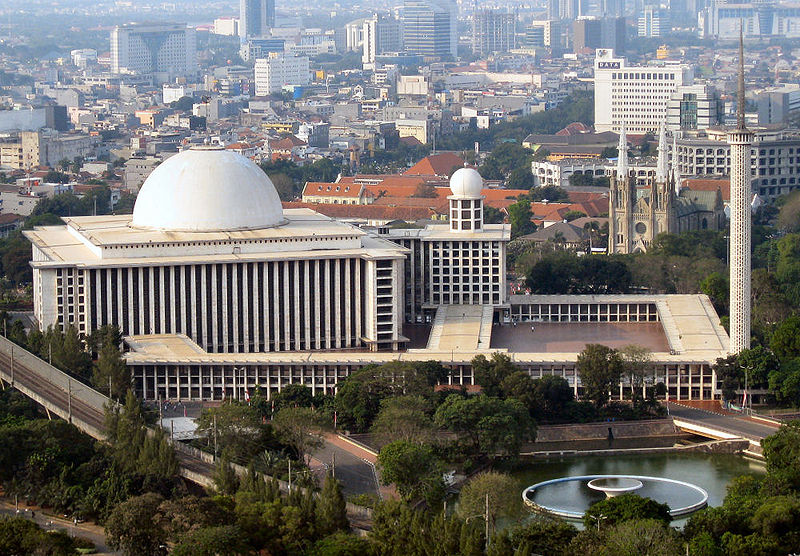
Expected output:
(598, 519)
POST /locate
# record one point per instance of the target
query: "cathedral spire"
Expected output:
(622, 156)
(740, 100)
(662, 167)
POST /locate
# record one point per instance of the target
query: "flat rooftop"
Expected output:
(563, 337)
(689, 331)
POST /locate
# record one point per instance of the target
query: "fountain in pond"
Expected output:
(570, 497)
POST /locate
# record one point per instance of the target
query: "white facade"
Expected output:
(637, 95)
(302, 283)
(459, 263)
(171, 93)
(273, 73)
(228, 26)
(163, 50)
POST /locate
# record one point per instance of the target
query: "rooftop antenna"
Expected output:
(740, 101)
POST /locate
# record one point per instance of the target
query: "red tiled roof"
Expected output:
(435, 165)
(332, 189)
(573, 128)
(698, 184)
(373, 212)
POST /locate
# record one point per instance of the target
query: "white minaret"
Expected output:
(740, 140)
(662, 167)
(622, 155)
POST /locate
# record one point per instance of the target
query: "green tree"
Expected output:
(184, 104)
(626, 507)
(492, 215)
(520, 215)
(302, 428)
(341, 544)
(538, 536)
(638, 366)
(19, 536)
(498, 487)
(600, 368)
(237, 429)
(716, 287)
(226, 482)
(784, 382)
(642, 537)
(490, 373)
(486, 425)
(785, 342)
(133, 526)
(211, 541)
(412, 467)
(782, 454)
(110, 372)
(293, 395)
(331, 508)
(404, 418)
(554, 393)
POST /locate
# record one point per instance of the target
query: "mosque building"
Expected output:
(218, 290)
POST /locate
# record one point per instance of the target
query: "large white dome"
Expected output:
(466, 182)
(207, 189)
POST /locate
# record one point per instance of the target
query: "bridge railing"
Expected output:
(56, 377)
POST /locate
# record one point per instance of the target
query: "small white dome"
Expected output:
(466, 182)
(207, 189)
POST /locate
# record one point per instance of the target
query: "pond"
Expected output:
(710, 472)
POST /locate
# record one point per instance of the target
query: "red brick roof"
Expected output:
(436, 165)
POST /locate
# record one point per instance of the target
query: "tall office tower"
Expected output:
(430, 27)
(740, 140)
(593, 33)
(163, 50)
(637, 95)
(569, 9)
(543, 33)
(256, 17)
(493, 31)
(654, 22)
(380, 34)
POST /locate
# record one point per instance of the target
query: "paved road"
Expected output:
(744, 427)
(48, 522)
(356, 475)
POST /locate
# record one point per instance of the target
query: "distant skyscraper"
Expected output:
(380, 35)
(256, 17)
(654, 22)
(430, 27)
(163, 50)
(740, 140)
(493, 31)
(592, 33)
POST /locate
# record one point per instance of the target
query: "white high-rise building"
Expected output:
(163, 50)
(279, 70)
(740, 140)
(637, 95)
